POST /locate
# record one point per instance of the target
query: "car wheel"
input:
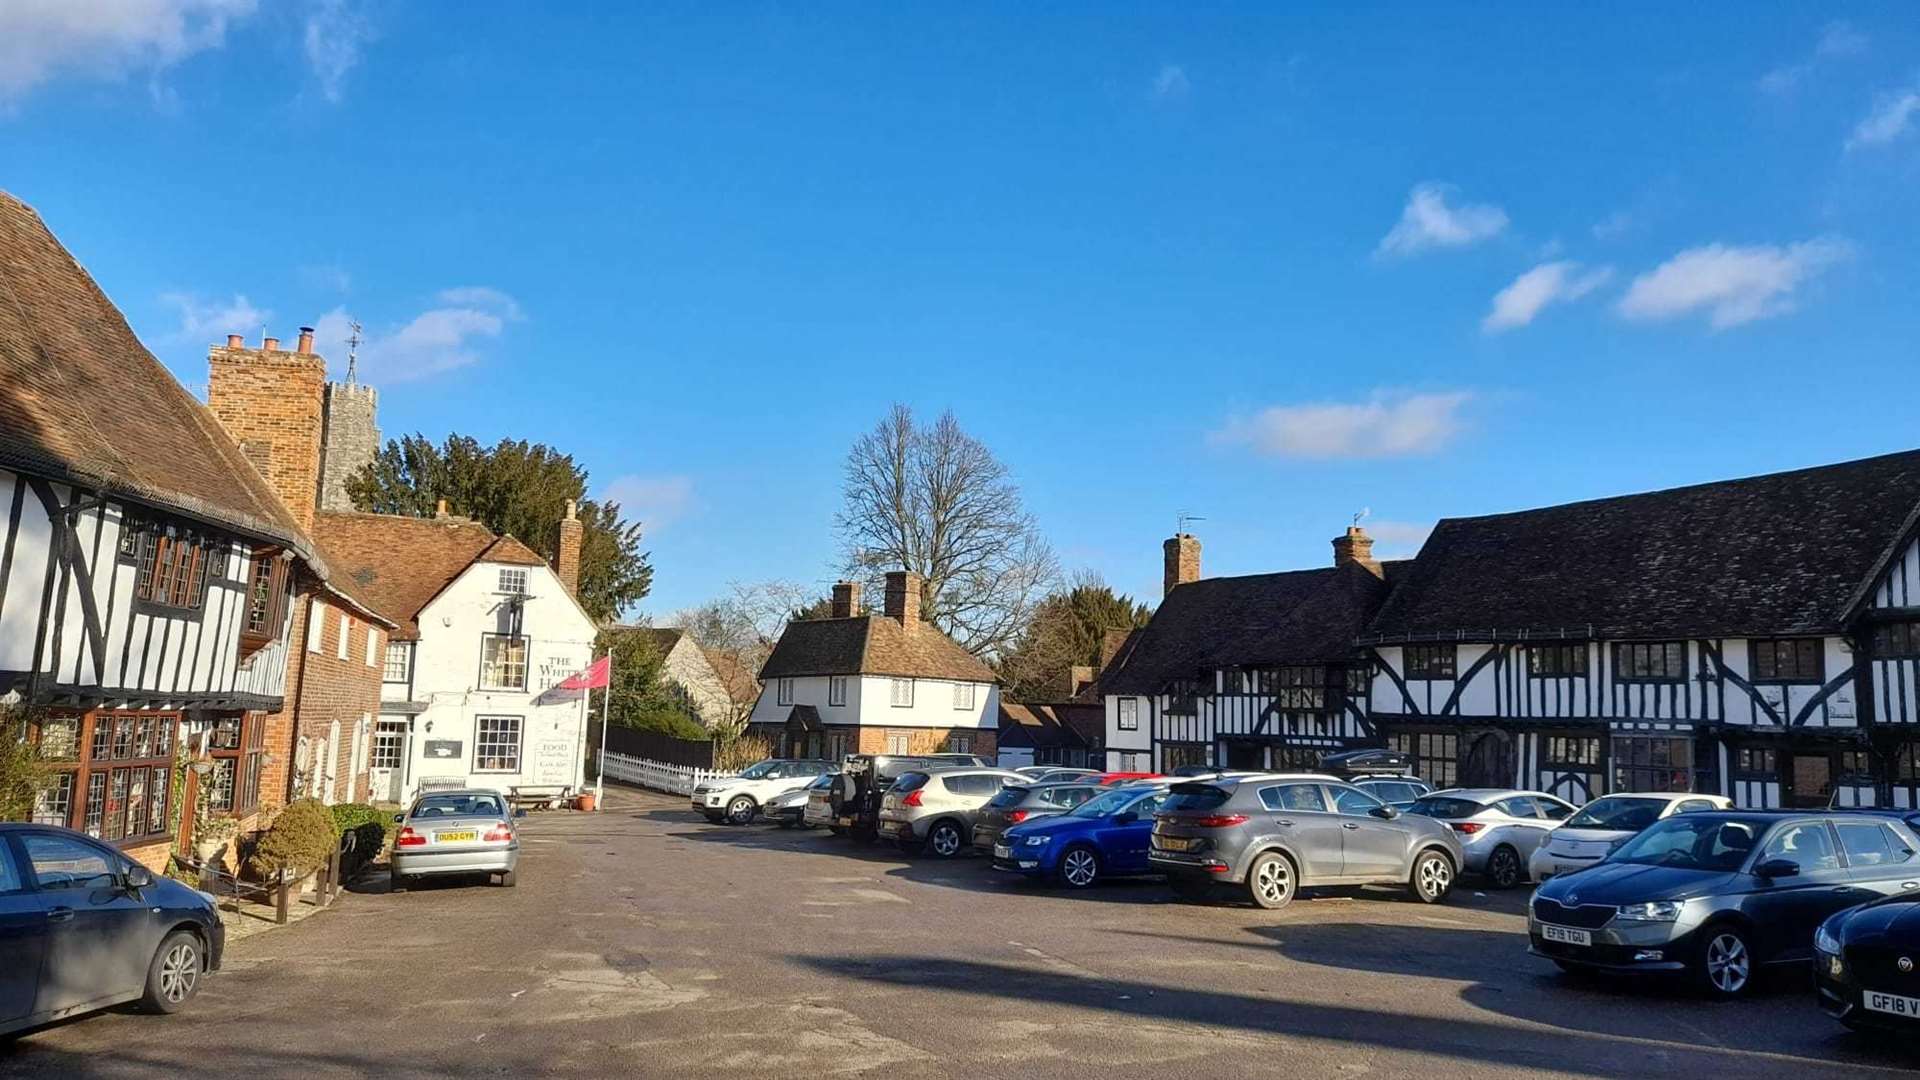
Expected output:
(174, 975)
(741, 810)
(1079, 868)
(1725, 967)
(944, 839)
(396, 881)
(1270, 881)
(1503, 868)
(507, 880)
(1432, 877)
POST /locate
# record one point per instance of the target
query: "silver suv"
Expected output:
(937, 810)
(1276, 834)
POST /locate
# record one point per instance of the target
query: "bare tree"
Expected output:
(934, 500)
(739, 630)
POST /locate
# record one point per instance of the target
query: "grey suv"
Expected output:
(1276, 834)
(938, 809)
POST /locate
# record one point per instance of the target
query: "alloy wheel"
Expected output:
(1079, 867)
(1274, 879)
(1503, 868)
(1728, 964)
(179, 971)
(740, 810)
(1436, 875)
(945, 840)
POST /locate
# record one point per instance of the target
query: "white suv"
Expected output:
(738, 799)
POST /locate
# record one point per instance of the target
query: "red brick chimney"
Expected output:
(566, 561)
(903, 597)
(271, 403)
(846, 599)
(1355, 547)
(1183, 560)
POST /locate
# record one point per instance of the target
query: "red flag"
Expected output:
(593, 678)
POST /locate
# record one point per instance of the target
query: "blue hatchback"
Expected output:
(1105, 836)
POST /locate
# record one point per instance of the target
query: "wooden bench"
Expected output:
(538, 796)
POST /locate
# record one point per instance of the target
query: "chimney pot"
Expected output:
(903, 597)
(1182, 560)
(440, 510)
(572, 509)
(269, 344)
(234, 341)
(305, 348)
(846, 599)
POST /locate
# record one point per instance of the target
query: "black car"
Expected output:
(83, 928)
(1718, 895)
(1866, 962)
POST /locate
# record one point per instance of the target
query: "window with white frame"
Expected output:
(496, 744)
(399, 659)
(388, 738)
(346, 634)
(903, 694)
(503, 662)
(316, 626)
(513, 580)
(373, 647)
(963, 696)
(899, 741)
(1128, 710)
(836, 690)
(783, 692)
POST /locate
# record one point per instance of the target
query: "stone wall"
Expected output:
(350, 440)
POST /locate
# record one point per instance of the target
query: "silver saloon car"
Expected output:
(455, 832)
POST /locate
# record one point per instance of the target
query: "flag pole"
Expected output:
(606, 698)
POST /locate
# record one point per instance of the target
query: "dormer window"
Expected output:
(513, 581)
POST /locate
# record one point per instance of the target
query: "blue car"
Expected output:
(1103, 837)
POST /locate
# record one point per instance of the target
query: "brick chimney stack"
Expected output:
(903, 597)
(846, 599)
(1183, 560)
(1355, 547)
(566, 561)
(270, 402)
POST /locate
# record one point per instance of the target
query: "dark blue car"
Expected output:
(1103, 837)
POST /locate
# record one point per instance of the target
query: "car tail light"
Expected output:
(500, 831)
(912, 799)
(1468, 827)
(1219, 821)
(409, 838)
(1016, 816)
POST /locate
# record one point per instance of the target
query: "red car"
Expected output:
(1109, 779)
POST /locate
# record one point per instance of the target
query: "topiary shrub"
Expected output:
(300, 840)
(368, 827)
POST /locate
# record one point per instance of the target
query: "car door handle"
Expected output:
(60, 914)
(1348, 825)
(1282, 821)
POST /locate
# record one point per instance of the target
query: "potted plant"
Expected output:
(211, 836)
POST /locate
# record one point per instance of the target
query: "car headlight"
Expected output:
(1652, 911)
(1036, 841)
(1824, 941)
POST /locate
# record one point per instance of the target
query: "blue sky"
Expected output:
(1266, 267)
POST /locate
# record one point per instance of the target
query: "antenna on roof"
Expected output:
(1365, 512)
(353, 348)
(1181, 522)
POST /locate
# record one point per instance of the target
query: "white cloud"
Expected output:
(210, 321)
(654, 501)
(1892, 116)
(41, 40)
(332, 36)
(437, 340)
(1837, 39)
(1171, 83)
(1734, 285)
(1385, 425)
(1548, 283)
(1427, 222)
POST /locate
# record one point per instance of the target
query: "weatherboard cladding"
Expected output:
(1259, 620)
(1784, 553)
(871, 645)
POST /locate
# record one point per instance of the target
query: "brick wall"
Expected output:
(323, 688)
(270, 402)
(872, 739)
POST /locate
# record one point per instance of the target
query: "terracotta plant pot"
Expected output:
(583, 802)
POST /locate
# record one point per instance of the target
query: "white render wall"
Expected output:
(446, 676)
(870, 703)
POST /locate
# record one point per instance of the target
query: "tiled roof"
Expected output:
(734, 674)
(871, 645)
(1775, 554)
(399, 564)
(83, 402)
(1299, 617)
(1051, 726)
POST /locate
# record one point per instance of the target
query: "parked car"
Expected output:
(468, 831)
(1047, 774)
(936, 811)
(1864, 958)
(83, 928)
(1276, 834)
(1112, 778)
(789, 808)
(737, 800)
(864, 780)
(1387, 775)
(1607, 822)
(1104, 837)
(1718, 895)
(1499, 828)
(1397, 791)
(1018, 803)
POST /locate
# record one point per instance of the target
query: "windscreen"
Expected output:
(1195, 797)
(459, 806)
(909, 781)
(758, 770)
(1613, 812)
(1008, 796)
(1110, 802)
(1692, 842)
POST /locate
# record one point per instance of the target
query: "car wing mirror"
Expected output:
(1777, 868)
(398, 818)
(1385, 813)
(136, 877)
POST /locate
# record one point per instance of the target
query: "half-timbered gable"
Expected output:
(1246, 672)
(1690, 639)
(1887, 609)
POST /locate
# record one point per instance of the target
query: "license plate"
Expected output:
(1565, 935)
(889, 827)
(1002, 851)
(462, 836)
(1172, 843)
(1892, 1004)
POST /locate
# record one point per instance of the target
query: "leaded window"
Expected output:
(1650, 661)
(1652, 763)
(1787, 660)
(496, 744)
(1431, 661)
(1556, 661)
(503, 662)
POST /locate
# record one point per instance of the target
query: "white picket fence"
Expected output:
(676, 779)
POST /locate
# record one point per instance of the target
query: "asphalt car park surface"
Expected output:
(643, 940)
